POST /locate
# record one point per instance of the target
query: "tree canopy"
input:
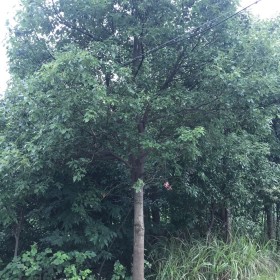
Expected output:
(125, 113)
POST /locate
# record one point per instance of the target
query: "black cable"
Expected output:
(194, 32)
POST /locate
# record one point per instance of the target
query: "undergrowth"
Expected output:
(241, 259)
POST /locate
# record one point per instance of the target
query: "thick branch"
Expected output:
(138, 55)
(174, 70)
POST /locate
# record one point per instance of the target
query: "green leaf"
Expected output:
(139, 185)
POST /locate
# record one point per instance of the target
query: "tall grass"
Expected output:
(242, 259)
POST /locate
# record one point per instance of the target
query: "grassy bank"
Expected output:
(242, 259)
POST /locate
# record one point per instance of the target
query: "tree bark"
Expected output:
(269, 222)
(16, 232)
(228, 224)
(139, 229)
(211, 224)
(16, 246)
(137, 163)
(277, 223)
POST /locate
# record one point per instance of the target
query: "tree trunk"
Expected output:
(211, 224)
(228, 224)
(16, 246)
(16, 232)
(137, 164)
(277, 223)
(269, 222)
(139, 229)
(226, 219)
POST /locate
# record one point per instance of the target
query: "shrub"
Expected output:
(48, 265)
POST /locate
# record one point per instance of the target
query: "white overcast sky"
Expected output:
(264, 9)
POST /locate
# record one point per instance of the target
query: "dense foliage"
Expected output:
(119, 111)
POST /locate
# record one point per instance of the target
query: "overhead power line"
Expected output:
(202, 29)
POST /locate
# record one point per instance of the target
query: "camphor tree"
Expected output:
(125, 81)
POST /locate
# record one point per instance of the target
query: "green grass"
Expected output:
(242, 259)
(273, 276)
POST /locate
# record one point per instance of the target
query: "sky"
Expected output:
(264, 9)
(7, 11)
